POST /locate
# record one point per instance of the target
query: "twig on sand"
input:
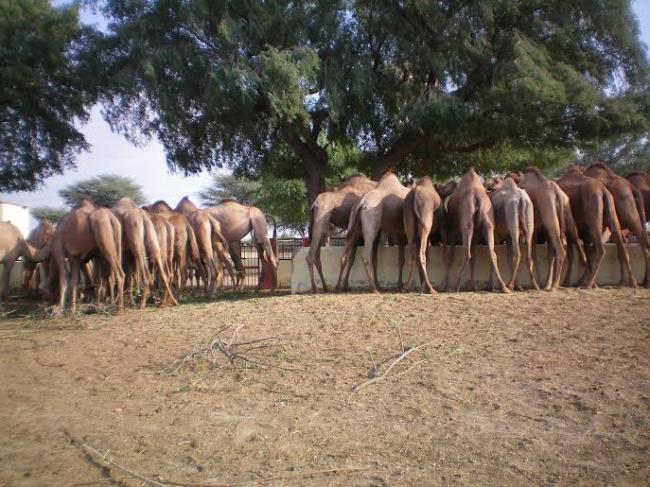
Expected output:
(401, 357)
(161, 482)
(266, 480)
(105, 457)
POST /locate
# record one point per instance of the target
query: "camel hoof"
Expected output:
(506, 290)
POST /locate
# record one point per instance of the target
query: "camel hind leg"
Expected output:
(488, 235)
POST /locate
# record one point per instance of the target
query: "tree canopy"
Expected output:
(51, 213)
(45, 90)
(424, 87)
(104, 190)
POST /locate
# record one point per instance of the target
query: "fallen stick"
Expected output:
(265, 480)
(358, 387)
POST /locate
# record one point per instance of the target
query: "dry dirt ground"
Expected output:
(524, 389)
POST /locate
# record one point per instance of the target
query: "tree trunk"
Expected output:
(315, 181)
(396, 155)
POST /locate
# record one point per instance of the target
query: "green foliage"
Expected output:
(104, 190)
(51, 213)
(225, 186)
(418, 85)
(624, 155)
(45, 88)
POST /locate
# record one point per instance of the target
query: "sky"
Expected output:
(111, 153)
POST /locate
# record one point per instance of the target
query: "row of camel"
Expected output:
(137, 248)
(575, 215)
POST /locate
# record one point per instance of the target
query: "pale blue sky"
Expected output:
(110, 153)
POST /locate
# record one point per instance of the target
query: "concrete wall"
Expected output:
(609, 273)
(17, 215)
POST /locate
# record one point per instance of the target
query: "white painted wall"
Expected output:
(17, 215)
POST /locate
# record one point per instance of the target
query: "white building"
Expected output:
(17, 215)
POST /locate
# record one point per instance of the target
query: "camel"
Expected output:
(514, 218)
(549, 205)
(184, 241)
(236, 221)
(641, 182)
(420, 208)
(332, 207)
(13, 246)
(37, 238)
(466, 211)
(629, 208)
(209, 240)
(160, 250)
(593, 207)
(379, 210)
(140, 241)
(82, 231)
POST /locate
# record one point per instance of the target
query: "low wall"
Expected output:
(609, 273)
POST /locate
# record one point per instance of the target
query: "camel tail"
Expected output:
(354, 217)
(526, 213)
(640, 206)
(191, 241)
(477, 211)
(117, 235)
(560, 210)
(610, 213)
(216, 234)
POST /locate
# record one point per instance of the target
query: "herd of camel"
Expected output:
(135, 247)
(575, 215)
(155, 246)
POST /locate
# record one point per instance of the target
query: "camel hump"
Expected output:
(601, 165)
(535, 171)
(354, 176)
(228, 200)
(425, 181)
(509, 183)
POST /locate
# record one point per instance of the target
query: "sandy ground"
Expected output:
(525, 389)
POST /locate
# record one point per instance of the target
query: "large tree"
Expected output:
(104, 190)
(46, 89)
(417, 85)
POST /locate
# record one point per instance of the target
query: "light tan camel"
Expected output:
(210, 240)
(237, 221)
(184, 241)
(160, 237)
(467, 211)
(379, 210)
(13, 246)
(514, 219)
(593, 208)
(139, 241)
(38, 238)
(332, 207)
(420, 208)
(629, 208)
(550, 213)
(82, 231)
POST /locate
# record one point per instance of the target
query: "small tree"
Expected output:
(224, 186)
(51, 213)
(104, 190)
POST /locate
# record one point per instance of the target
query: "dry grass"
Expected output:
(523, 389)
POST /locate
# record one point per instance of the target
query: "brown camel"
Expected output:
(629, 208)
(641, 182)
(379, 210)
(13, 246)
(38, 238)
(420, 208)
(159, 246)
(466, 211)
(139, 241)
(549, 206)
(210, 240)
(593, 207)
(514, 218)
(184, 241)
(333, 207)
(83, 231)
(237, 221)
